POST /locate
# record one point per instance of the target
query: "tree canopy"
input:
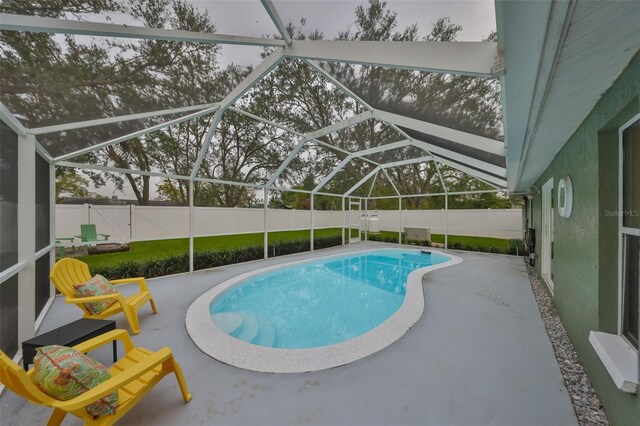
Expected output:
(51, 79)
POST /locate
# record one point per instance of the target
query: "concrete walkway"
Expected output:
(478, 356)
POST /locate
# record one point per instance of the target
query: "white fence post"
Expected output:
(266, 224)
(446, 221)
(490, 219)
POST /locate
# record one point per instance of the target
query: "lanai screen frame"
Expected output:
(477, 59)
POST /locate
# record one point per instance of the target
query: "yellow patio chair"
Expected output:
(68, 272)
(134, 376)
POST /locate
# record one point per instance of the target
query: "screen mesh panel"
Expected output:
(43, 224)
(43, 291)
(9, 316)
(8, 197)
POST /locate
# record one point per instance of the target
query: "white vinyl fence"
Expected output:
(136, 223)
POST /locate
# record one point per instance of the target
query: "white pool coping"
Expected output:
(216, 343)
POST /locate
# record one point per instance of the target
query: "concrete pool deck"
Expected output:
(479, 355)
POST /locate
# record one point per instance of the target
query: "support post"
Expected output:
(52, 221)
(343, 220)
(446, 221)
(191, 227)
(312, 221)
(366, 217)
(266, 223)
(27, 236)
(400, 220)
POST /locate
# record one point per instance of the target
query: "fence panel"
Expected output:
(135, 223)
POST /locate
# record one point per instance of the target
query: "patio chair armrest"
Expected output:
(116, 382)
(103, 339)
(142, 283)
(106, 236)
(89, 299)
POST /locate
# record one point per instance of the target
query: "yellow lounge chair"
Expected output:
(68, 272)
(134, 376)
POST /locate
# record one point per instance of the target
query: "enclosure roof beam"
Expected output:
(10, 120)
(265, 121)
(37, 24)
(265, 67)
(382, 148)
(308, 137)
(294, 132)
(335, 171)
(406, 162)
(227, 182)
(207, 141)
(494, 181)
(119, 170)
(275, 17)
(361, 182)
(470, 161)
(119, 119)
(444, 186)
(481, 143)
(133, 135)
(343, 151)
(335, 127)
(477, 59)
(436, 194)
(391, 181)
(375, 178)
(151, 173)
(333, 80)
(304, 191)
(294, 152)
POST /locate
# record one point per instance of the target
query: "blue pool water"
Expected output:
(318, 303)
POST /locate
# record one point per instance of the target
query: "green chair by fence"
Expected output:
(88, 234)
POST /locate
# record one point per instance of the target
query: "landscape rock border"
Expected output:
(586, 404)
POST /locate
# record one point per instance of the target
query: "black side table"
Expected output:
(68, 335)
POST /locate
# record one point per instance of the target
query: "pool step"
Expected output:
(249, 329)
(267, 334)
(227, 321)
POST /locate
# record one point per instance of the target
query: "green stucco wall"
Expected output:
(586, 244)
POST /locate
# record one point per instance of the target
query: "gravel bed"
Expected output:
(585, 401)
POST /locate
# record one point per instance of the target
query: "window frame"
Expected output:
(622, 230)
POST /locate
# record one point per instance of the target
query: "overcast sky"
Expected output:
(248, 17)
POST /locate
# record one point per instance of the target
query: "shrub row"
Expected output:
(515, 247)
(209, 259)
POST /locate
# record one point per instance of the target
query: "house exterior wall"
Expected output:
(586, 244)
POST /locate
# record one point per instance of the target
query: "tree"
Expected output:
(71, 184)
(51, 80)
(465, 103)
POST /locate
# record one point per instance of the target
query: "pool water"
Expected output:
(319, 303)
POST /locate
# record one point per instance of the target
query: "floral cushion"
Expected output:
(96, 286)
(64, 373)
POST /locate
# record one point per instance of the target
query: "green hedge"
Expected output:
(514, 247)
(209, 259)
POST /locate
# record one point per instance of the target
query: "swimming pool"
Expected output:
(319, 303)
(313, 314)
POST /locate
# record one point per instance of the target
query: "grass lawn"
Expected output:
(157, 249)
(484, 242)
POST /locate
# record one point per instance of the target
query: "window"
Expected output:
(630, 231)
